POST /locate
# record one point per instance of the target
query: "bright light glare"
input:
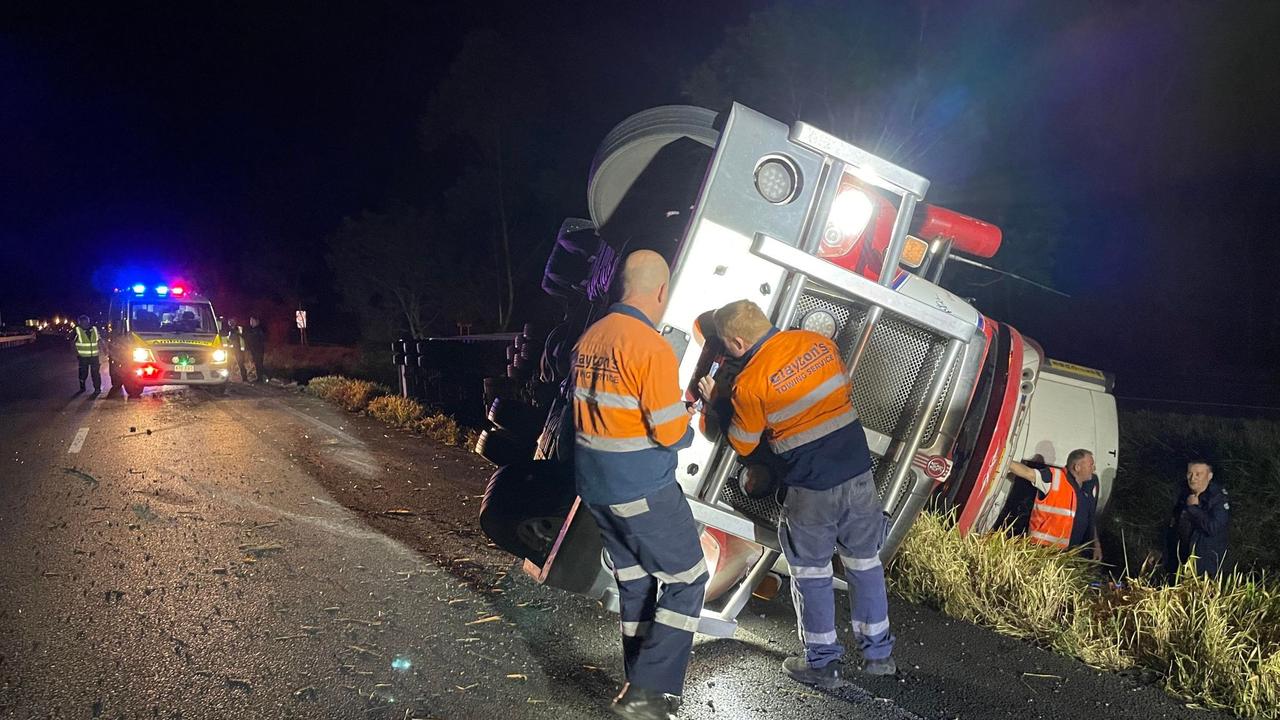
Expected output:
(401, 663)
(162, 289)
(139, 288)
(141, 355)
(850, 212)
(219, 356)
(178, 290)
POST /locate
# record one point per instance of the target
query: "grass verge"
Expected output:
(1215, 642)
(377, 401)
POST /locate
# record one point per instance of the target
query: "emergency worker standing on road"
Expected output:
(87, 341)
(1065, 512)
(630, 419)
(235, 342)
(794, 393)
(255, 341)
(1199, 524)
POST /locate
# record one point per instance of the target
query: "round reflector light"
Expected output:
(821, 322)
(777, 180)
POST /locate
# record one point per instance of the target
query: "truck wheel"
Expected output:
(524, 507)
(629, 147)
(517, 417)
(502, 447)
(116, 380)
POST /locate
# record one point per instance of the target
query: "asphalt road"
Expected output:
(264, 555)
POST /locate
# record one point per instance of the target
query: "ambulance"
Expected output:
(164, 335)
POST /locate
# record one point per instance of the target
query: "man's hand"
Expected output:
(1193, 499)
(706, 386)
(1097, 552)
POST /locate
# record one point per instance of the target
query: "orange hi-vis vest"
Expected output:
(626, 393)
(794, 393)
(1054, 515)
(628, 408)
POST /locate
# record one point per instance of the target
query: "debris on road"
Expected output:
(489, 619)
(89, 479)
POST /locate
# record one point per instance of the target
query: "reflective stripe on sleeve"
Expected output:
(668, 413)
(808, 400)
(818, 431)
(1050, 539)
(737, 433)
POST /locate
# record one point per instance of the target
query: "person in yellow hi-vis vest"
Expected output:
(87, 340)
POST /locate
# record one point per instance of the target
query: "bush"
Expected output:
(396, 410)
(325, 387)
(444, 429)
(1215, 641)
(355, 395)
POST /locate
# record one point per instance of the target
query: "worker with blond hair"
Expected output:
(793, 393)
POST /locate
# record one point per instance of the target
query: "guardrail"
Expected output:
(14, 340)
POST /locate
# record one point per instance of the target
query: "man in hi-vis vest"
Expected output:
(793, 395)
(87, 339)
(1066, 503)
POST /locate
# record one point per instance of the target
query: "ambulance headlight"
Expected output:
(219, 356)
(821, 322)
(141, 355)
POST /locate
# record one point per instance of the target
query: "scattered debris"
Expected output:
(242, 683)
(398, 511)
(263, 549)
(306, 693)
(489, 619)
(517, 676)
(89, 479)
(364, 651)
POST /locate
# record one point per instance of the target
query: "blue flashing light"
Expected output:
(139, 289)
(162, 289)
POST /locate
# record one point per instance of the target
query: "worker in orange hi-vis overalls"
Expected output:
(793, 393)
(630, 419)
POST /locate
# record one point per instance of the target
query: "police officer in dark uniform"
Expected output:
(1199, 524)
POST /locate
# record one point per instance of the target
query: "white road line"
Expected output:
(78, 442)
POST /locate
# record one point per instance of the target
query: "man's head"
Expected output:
(740, 325)
(1199, 475)
(645, 277)
(231, 322)
(253, 321)
(83, 320)
(1080, 464)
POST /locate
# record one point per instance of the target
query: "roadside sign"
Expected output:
(301, 317)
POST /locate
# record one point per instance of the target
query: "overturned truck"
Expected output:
(824, 236)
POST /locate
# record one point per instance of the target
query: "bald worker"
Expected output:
(630, 419)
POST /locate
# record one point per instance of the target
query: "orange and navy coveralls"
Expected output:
(793, 393)
(630, 419)
(1063, 513)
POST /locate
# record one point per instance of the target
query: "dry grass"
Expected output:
(376, 400)
(395, 410)
(1216, 642)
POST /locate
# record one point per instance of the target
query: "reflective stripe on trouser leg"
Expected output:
(862, 532)
(808, 548)
(667, 602)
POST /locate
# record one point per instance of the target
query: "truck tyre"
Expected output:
(502, 447)
(627, 150)
(516, 417)
(524, 507)
(132, 390)
(496, 387)
(116, 381)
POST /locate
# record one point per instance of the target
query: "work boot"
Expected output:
(641, 704)
(799, 669)
(883, 666)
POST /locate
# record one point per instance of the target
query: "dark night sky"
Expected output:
(193, 136)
